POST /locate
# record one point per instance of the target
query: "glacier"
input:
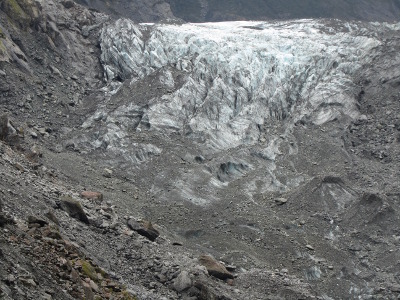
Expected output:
(230, 92)
(240, 75)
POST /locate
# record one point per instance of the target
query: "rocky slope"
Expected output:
(213, 10)
(228, 10)
(140, 11)
(273, 147)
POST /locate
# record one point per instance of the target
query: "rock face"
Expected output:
(226, 10)
(140, 11)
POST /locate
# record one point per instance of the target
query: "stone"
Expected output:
(107, 173)
(52, 233)
(28, 282)
(46, 296)
(161, 278)
(94, 286)
(92, 195)
(52, 217)
(89, 295)
(215, 268)
(56, 71)
(33, 135)
(37, 220)
(182, 282)
(19, 167)
(73, 208)
(309, 247)
(144, 228)
(68, 4)
(395, 288)
(4, 220)
(280, 201)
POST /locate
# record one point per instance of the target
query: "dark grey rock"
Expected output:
(144, 228)
(73, 208)
(37, 220)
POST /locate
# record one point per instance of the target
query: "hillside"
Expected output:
(212, 161)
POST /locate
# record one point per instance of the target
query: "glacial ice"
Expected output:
(239, 75)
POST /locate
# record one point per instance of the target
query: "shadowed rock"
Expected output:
(35, 220)
(144, 228)
(73, 208)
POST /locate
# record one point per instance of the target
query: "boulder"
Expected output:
(92, 195)
(280, 201)
(36, 220)
(4, 220)
(73, 208)
(182, 282)
(215, 268)
(144, 228)
(52, 217)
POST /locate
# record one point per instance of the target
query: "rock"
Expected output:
(89, 295)
(46, 296)
(73, 208)
(94, 286)
(28, 282)
(92, 195)
(215, 268)
(309, 247)
(19, 167)
(36, 220)
(230, 282)
(395, 288)
(52, 217)
(4, 220)
(107, 173)
(33, 134)
(55, 71)
(52, 233)
(68, 4)
(182, 282)
(144, 228)
(280, 201)
(4, 127)
(193, 292)
(161, 278)
(230, 268)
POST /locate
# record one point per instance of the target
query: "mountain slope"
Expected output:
(271, 146)
(211, 10)
(231, 10)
